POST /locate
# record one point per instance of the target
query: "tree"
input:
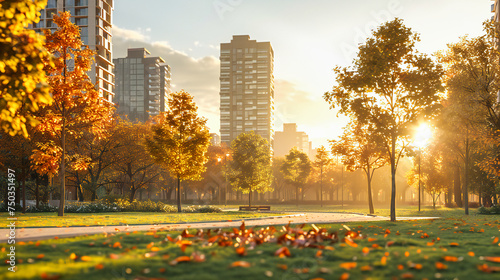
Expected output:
(472, 82)
(322, 160)
(77, 108)
(278, 178)
(250, 170)
(390, 87)
(361, 150)
(431, 172)
(180, 140)
(297, 168)
(23, 88)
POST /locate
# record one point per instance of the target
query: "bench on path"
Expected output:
(255, 208)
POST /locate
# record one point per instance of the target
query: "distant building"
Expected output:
(246, 89)
(142, 84)
(285, 140)
(215, 140)
(495, 8)
(94, 19)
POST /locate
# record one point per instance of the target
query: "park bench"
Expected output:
(255, 208)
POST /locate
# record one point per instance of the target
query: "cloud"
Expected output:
(199, 77)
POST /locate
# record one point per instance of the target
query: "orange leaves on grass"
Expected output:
(450, 259)
(495, 240)
(491, 259)
(454, 244)
(441, 266)
(344, 276)
(366, 268)
(99, 266)
(46, 276)
(240, 264)
(85, 258)
(283, 252)
(242, 251)
(73, 256)
(348, 265)
(351, 243)
(40, 256)
(180, 259)
(488, 269)
(407, 275)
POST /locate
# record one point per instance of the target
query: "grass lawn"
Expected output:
(122, 218)
(448, 248)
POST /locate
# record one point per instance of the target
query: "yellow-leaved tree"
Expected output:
(77, 108)
(180, 140)
(23, 85)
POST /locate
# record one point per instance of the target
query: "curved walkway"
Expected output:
(34, 234)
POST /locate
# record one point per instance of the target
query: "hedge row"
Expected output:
(120, 205)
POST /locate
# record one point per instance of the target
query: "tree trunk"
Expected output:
(457, 185)
(370, 200)
(297, 195)
(63, 146)
(23, 174)
(132, 194)
(179, 209)
(393, 179)
(250, 197)
(466, 176)
(37, 191)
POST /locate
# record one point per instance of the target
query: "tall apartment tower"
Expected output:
(246, 89)
(94, 19)
(142, 84)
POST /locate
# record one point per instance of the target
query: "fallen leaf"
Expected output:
(348, 265)
(344, 276)
(85, 258)
(450, 259)
(40, 256)
(242, 251)
(471, 254)
(240, 264)
(491, 259)
(99, 266)
(441, 266)
(407, 276)
(366, 268)
(283, 252)
(283, 266)
(454, 244)
(46, 276)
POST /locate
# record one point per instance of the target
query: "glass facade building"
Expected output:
(142, 84)
(94, 19)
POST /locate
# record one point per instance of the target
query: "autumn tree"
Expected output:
(430, 170)
(214, 174)
(361, 150)
(77, 107)
(321, 161)
(296, 169)
(250, 168)
(279, 181)
(180, 140)
(390, 87)
(23, 88)
(472, 83)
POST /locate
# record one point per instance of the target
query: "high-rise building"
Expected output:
(495, 8)
(285, 140)
(246, 89)
(94, 19)
(142, 84)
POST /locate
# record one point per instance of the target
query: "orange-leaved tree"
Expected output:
(322, 160)
(23, 88)
(180, 140)
(77, 107)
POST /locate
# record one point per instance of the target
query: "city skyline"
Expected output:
(188, 40)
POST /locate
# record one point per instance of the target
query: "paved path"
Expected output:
(33, 234)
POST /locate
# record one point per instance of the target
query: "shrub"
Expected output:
(145, 206)
(495, 209)
(89, 207)
(474, 205)
(201, 209)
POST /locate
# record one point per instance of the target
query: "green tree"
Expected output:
(361, 150)
(250, 169)
(297, 168)
(180, 140)
(77, 108)
(391, 86)
(321, 161)
(23, 88)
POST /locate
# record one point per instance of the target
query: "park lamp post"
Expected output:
(422, 136)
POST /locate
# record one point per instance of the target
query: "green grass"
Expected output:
(474, 233)
(124, 218)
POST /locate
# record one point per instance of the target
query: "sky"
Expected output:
(309, 39)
